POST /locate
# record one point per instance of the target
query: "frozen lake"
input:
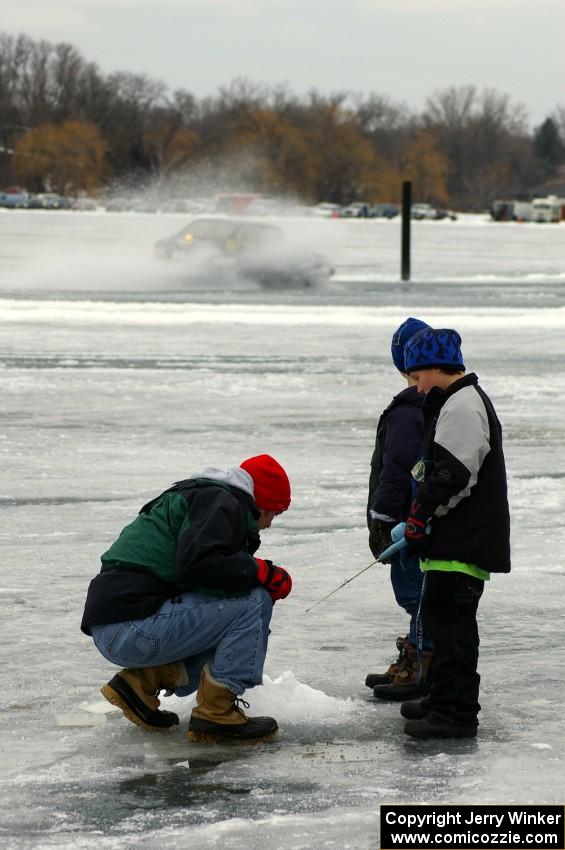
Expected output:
(119, 377)
(46, 255)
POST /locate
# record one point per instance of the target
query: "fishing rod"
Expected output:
(399, 543)
(347, 580)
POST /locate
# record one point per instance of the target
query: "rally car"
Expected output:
(247, 249)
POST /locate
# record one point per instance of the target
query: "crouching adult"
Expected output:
(182, 604)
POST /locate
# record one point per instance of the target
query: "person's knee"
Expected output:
(409, 603)
(259, 597)
(254, 610)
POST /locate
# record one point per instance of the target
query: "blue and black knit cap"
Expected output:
(401, 336)
(433, 348)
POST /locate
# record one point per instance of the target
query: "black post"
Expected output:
(406, 210)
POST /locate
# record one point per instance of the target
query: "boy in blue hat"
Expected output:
(398, 444)
(462, 497)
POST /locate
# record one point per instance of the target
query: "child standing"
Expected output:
(398, 445)
(462, 494)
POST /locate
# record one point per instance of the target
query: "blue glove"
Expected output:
(398, 543)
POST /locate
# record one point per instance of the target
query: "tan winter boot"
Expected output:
(410, 682)
(135, 691)
(217, 715)
(386, 678)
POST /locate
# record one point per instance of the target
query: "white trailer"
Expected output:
(548, 209)
(512, 210)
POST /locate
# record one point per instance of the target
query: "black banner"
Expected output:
(472, 827)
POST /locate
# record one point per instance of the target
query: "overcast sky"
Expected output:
(405, 49)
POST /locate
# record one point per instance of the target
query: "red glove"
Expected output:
(415, 532)
(275, 579)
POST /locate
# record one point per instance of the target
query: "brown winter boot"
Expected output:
(409, 682)
(386, 678)
(217, 715)
(135, 692)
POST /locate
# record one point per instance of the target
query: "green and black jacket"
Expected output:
(200, 535)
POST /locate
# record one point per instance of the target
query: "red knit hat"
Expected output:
(270, 482)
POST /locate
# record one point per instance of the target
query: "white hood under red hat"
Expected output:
(261, 476)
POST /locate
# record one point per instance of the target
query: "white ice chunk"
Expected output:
(98, 707)
(285, 698)
(291, 701)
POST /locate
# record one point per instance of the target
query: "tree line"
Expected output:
(67, 127)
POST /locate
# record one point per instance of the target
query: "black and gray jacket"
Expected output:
(463, 478)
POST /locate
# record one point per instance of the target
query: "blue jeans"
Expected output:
(406, 579)
(231, 633)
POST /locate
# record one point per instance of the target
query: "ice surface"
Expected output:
(115, 382)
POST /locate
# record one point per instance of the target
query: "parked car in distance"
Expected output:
(361, 209)
(358, 209)
(324, 210)
(422, 212)
(443, 214)
(384, 211)
(419, 212)
(14, 200)
(243, 248)
(49, 201)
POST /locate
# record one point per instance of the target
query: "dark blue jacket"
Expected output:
(398, 446)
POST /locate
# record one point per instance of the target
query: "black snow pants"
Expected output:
(449, 616)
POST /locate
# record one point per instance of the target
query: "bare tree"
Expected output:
(65, 74)
(475, 130)
(559, 118)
